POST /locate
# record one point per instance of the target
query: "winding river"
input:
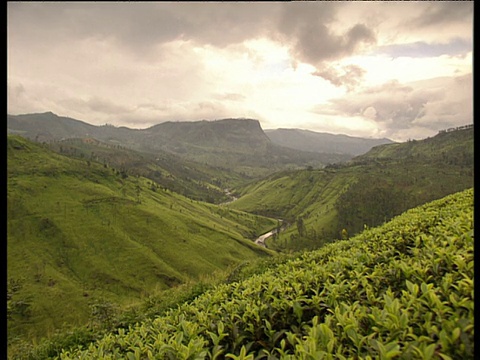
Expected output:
(261, 240)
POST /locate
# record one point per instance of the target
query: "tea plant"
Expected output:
(400, 291)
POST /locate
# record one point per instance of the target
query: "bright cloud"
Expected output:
(360, 68)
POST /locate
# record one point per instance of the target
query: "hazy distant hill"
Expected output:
(48, 127)
(307, 140)
(237, 144)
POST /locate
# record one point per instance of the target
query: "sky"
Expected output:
(376, 69)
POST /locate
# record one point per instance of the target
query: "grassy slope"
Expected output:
(371, 189)
(194, 180)
(78, 233)
(402, 290)
(308, 194)
(447, 146)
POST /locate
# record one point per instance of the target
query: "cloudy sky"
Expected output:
(401, 70)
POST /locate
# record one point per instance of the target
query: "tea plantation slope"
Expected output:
(79, 233)
(403, 290)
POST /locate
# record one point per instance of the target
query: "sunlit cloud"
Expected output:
(359, 68)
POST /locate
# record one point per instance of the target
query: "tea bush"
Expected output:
(400, 291)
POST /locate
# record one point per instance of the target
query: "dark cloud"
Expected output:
(140, 26)
(349, 76)
(307, 27)
(443, 12)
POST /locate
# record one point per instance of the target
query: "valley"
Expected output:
(110, 218)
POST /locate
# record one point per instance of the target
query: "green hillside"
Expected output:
(372, 188)
(447, 146)
(191, 179)
(94, 226)
(79, 232)
(403, 290)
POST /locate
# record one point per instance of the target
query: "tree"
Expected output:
(301, 226)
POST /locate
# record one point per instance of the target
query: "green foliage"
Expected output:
(16, 307)
(389, 186)
(103, 312)
(86, 239)
(403, 290)
(79, 233)
(165, 170)
(368, 191)
(452, 148)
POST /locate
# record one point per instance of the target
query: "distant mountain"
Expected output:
(307, 140)
(240, 134)
(237, 144)
(48, 127)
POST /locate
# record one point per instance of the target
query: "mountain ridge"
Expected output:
(308, 140)
(237, 144)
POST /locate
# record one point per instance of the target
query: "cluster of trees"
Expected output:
(369, 202)
(463, 127)
(164, 170)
